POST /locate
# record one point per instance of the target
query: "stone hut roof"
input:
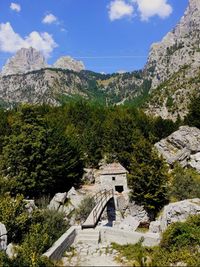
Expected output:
(113, 168)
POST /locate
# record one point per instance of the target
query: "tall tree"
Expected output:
(148, 177)
(37, 158)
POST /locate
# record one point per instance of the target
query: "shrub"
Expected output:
(84, 209)
(185, 184)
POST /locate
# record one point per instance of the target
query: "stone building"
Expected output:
(114, 176)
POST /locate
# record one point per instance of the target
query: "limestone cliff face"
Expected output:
(25, 60)
(178, 48)
(42, 86)
(69, 63)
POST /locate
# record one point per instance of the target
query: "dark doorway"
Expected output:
(119, 188)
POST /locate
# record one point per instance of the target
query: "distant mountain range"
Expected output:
(170, 78)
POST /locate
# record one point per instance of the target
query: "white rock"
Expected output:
(3, 237)
(57, 201)
(182, 146)
(129, 223)
(68, 63)
(30, 205)
(178, 48)
(154, 227)
(11, 251)
(176, 212)
(25, 60)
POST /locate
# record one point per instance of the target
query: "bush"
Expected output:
(84, 209)
(185, 184)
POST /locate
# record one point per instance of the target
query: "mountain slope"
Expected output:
(178, 48)
(53, 86)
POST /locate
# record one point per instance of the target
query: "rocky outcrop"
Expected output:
(25, 60)
(175, 212)
(43, 86)
(57, 201)
(68, 63)
(182, 146)
(178, 48)
(3, 237)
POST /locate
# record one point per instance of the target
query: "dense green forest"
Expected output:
(43, 150)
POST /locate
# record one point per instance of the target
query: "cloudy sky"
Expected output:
(108, 35)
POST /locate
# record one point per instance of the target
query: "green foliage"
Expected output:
(37, 158)
(180, 243)
(13, 215)
(148, 178)
(84, 209)
(185, 184)
(136, 255)
(193, 118)
(34, 233)
(170, 102)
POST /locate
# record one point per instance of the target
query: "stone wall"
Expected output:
(107, 181)
(62, 244)
(109, 235)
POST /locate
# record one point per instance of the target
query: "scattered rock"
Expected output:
(3, 237)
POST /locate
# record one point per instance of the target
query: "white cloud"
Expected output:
(15, 7)
(119, 9)
(49, 19)
(11, 42)
(150, 8)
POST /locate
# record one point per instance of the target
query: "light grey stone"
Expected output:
(155, 227)
(11, 251)
(3, 237)
(30, 205)
(25, 60)
(182, 146)
(176, 212)
(68, 63)
(57, 201)
(129, 224)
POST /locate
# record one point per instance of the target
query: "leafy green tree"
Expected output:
(148, 177)
(37, 158)
(193, 118)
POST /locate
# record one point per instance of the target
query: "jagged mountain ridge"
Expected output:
(52, 86)
(179, 47)
(30, 59)
(171, 76)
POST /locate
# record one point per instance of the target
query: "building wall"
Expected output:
(107, 181)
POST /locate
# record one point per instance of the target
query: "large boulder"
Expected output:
(182, 146)
(57, 201)
(175, 212)
(3, 237)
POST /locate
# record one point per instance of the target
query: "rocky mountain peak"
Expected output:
(69, 63)
(178, 48)
(25, 60)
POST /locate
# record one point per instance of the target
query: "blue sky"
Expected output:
(107, 35)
